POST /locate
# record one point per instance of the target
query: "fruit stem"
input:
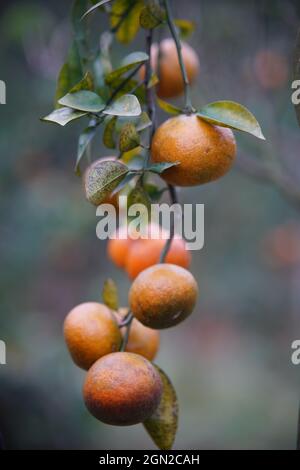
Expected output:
(127, 322)
(174, 200)
(189, 109)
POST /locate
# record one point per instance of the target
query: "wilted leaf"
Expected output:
(126, 105)
(109, 131)
(162, 425)
(125, 17)
(83, 101)
(84, 141)
(63, 116)
(168, 108)
(110, 294)
(95, 7)
(129, 137)
(159, 168)
(233, 115)
(129, 62)
(152, 15)
(101, 178)
(185, 27)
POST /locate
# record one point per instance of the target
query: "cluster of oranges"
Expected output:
(122, 386)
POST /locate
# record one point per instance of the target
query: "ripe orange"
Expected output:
(135, 255)
(171, 82)
(142, 340)
(204, 152)
(163, 295)
(271, 69)
(146, 253)
(91, 331)
(122, 389)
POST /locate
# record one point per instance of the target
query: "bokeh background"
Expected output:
(231, 360)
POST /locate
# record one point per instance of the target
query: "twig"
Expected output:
(174, 200)
(189, 109)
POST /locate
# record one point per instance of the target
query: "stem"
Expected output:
(150, 96)
(127, 322)
(174, 200)
(125, 81)
(189, 109)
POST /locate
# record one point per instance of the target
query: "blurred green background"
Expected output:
(230, 361)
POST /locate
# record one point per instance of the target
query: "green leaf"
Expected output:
(154, 80)
(87, 83)
(139, 196)
(83, 101)
(63, 116)
(129, 137)
(80, 28)
(168, 108)
(232, 115)
(125, 17)
(131, 61)
(185, 27)
(95, 7)
(110, 294)
(70, 74)
(128, 178)
(143, 122)
(152, 15)
(126, 105)
(154, 192)
(108, 133)
(159, 168)
(101, 178)
(84, 141)
(162, 425)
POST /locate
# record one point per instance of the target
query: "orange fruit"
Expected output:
(118, 248)
(271, 69)
(122, 389)
(142, 340)
(146, 253)
(91, 331)
(171, 83)
(204, 152)
(163, 295)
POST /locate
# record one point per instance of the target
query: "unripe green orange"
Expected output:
(163, 295)
(91, 331)
(122, 389)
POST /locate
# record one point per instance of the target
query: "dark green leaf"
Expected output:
(232, 115)
(131, 61)
(152, 15)
(185, 27)
(110, 295)
(109, 131)
(139, 196)
(84, 141)
(168, 108)
(143, 122)
(155, 193)
(162, 425)
(128, 178)
(86, 83)
(80, 29)
(63, 116)
(129, 137)
(83, 101)
(101, 178)
(127, 105)
(159, 168)
(70, 74)
(95, 7)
